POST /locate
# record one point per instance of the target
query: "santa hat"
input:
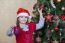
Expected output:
(23, 12)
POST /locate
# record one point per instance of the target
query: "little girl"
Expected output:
(24, 29)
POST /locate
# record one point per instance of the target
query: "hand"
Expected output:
(10, 31)
(12, 28)
(40, 11)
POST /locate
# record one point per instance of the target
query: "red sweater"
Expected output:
(25, 37)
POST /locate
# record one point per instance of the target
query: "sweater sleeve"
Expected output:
(41, 23)
(10, 31)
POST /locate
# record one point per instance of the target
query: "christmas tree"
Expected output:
(54, 13)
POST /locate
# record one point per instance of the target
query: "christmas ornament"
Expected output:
(56, 28)
(63, 17)
(48, 17)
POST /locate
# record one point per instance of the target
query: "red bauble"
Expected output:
(48, 17)
(56, 28)
(63, 17)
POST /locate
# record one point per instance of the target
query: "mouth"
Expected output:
(23, 20)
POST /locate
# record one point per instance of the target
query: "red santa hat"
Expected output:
(23, 12)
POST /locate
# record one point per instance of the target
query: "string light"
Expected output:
(58, 0)
(63, 8)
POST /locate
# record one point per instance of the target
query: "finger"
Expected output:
(38, 9)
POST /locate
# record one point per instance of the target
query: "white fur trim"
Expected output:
(24, 14)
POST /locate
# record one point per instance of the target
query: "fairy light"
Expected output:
(58, 0)
(63, 8)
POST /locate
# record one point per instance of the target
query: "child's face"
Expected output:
(23, 19)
